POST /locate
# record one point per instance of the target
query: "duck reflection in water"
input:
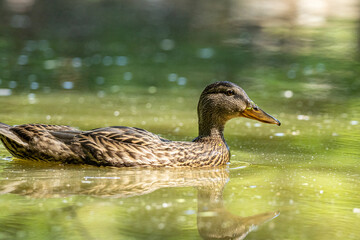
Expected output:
(213, 220)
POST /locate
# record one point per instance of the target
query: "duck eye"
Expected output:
(229, 92)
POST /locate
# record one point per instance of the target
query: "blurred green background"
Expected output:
(105, 45)
(144, 63)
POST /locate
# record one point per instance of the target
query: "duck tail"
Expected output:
(3, 125)
(6, 134)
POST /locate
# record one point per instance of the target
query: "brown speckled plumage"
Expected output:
(128, 147)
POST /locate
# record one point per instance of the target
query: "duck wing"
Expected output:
(122, 146)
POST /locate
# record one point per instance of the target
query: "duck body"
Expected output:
(112, 146)
(130, 147)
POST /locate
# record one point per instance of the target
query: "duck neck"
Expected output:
(210, 126)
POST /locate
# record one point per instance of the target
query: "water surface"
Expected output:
(101, 63)
(297, 181)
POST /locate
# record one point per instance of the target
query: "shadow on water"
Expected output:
(213, 220)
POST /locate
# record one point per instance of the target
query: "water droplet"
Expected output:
(81, 100)
(34, 85)
(189, 212)
(128, 76)
(288, 94)
(320, 68)
(167, 44)
(68, 85)
(50, 64)
(354, 122)
(303, 117)
(291, 74)
(76, 62)
(100, 80)
(356, 210)
(172, 77)
(295, 133)
(115, 88)
(12, 84)
(23, 60)
(152, 89)
(121, 61)
(32, 98)
(307, 70)
(5, 92)
(206, 53)
(107, 61)
(101, 94)
(161, 226)
(279, 134)
(182, 81)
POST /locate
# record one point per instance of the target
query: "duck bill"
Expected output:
(260, 115)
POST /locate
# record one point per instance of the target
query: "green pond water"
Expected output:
(140, 63)
(296, 181)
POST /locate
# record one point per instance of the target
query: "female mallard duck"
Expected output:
(127, 146)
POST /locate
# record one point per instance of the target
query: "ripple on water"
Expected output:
(238, 165)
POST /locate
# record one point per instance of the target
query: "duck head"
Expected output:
(222, 101)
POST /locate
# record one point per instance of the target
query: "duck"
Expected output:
(120, 146)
